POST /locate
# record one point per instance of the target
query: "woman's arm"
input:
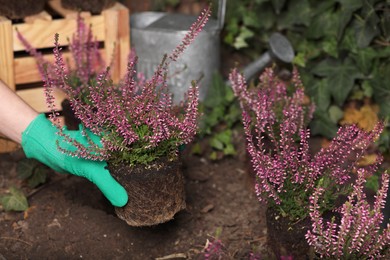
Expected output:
(38, 137)
(15, 114)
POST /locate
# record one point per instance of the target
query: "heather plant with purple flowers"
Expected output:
(358, 235)
(214, 250)
(136, 120)
(85, 63)
(275, 118)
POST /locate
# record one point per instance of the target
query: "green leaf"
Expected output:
(251, 19)
(222, 141)
(320, 7)
(348, 7)
(213, 155)
(320, 93)
(240, 41)
(229, 94)
(381, 90)
(233, 115)
(229, 150)
(323, 125)
(385, 23)
(196, 149)
(366, 26)
(225, 136)
(372, 183)
(298, 13)
(278, 5)
(335, 114)
(26, 167)
(364, 59)
(16, 200)
(216, 143)
(299, 59)
(268, 18)
(341, 76)
(217, 91)
(381, 94)
(330, 47)
(384, 141)
(310, 49)
(367, 88)
(323, 25)
(39, 177)
(348, 42)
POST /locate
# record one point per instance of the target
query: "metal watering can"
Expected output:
(154, 34)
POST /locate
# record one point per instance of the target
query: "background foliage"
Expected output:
(342, 49)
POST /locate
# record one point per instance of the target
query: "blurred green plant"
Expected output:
(15, 200)
(221, 113)
(343, 49)
(31, 172)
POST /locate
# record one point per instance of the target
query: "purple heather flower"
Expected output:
(194, 30)
(358, 235)
(254, 256)
(275, 119)
(135, 114)
(214, 250)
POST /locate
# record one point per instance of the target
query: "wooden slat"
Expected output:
(43, 16)
(6, 53)
(117, 42)
(40, 34)
(110, 42)
(123, 38)
(112, 27)
(26, 70)
(36, 98)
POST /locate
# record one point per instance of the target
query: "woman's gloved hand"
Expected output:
(39, 141)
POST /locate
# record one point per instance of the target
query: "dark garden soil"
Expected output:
(69, 218)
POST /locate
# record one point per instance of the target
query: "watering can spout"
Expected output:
(280, 52)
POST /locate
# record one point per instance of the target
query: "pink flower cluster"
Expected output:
(214, 250)
(86, 60)
(275, 118)
(358, 236)
(136, 116)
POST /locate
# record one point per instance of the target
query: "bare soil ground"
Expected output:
(69, 218)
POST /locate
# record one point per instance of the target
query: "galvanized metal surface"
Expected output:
(154, 34)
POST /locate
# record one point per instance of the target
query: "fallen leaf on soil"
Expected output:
(365, 117)
(27, 211)
(367, 160)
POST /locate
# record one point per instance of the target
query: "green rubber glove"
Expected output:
(39, 142)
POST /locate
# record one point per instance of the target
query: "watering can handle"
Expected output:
(221, 13)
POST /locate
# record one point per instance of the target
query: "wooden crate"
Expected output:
(19, 71)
